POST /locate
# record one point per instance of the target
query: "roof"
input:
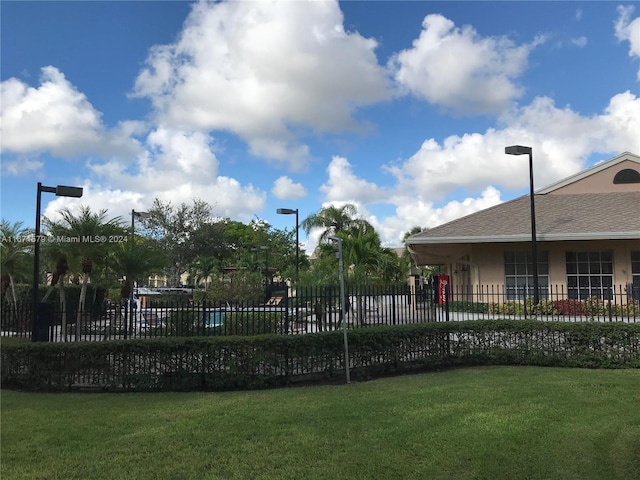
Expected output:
(626, 156)
(613, 214)
(586, 216)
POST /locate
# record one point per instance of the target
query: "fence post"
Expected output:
(286, 311)
(204, 316)
(446, 302)
(393, 304)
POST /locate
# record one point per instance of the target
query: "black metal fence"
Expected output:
(620, 304)
(308, 310)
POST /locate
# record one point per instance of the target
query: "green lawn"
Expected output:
(476, 423)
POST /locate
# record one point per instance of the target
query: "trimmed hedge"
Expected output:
(223, 363)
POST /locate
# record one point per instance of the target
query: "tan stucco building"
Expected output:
(588, 237)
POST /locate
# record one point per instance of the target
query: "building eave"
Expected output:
(554, 237)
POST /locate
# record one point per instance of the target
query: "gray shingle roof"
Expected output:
(558, 217)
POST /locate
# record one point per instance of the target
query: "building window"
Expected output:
(627, 175)
(589, 274)
(518, 274)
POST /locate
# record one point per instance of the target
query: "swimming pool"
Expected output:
(215, 318)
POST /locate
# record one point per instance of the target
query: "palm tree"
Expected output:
(391, 266)
(361, 248)
(204, 268)
(90, 232)
(14, 257)
(333, 220)
(134, 262)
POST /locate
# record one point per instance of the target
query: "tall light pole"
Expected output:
(134, 214)
(60, 191)
(521, 150)
(291, 211)
(343, 302)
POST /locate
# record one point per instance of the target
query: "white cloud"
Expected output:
(419, 211)
(57, 118)
(627, 29)
(561, 139)
(286, 189)
(54, 116)
(579, 42)
(179, 166)
(457, 69)
(176, 165)
(259, 69)
(344, 186)
(22, 166)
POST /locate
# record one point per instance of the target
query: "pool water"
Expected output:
(215, 319)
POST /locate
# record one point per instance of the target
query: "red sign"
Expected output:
(444, 288)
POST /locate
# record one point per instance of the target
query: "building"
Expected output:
(588, 238)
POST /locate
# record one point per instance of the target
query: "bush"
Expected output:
(234, 362)
(254, 323)
(569, 307)
(507, 308)
(188, 323)
(544, 307)
(469, 307)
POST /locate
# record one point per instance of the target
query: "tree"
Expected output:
(333, 220)
(361, 246)
(86, 238)
(204, 268)
(182, 232)
(134, 262)
(15, 257)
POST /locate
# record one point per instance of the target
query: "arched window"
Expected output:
(627, 175)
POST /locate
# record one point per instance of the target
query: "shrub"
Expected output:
(234, 362)
(470, 307)
(507, 308)
(254, 323)
(544, 307)
(569, 307)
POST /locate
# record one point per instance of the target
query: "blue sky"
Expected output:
(403, 108)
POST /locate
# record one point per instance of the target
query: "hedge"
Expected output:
(224, 363)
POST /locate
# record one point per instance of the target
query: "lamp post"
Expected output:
(338, 240)
(60, 191)
(291, 211)
(521, 150)
(134, 214)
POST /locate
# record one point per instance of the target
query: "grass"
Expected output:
(476, 423)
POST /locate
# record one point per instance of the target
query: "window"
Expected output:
(518, 274)
(589, 274)
(627, 175)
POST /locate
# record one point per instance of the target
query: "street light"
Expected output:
(291, 211)
(60, 191)
(134, 214)
(521, 150)
(343, 310)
